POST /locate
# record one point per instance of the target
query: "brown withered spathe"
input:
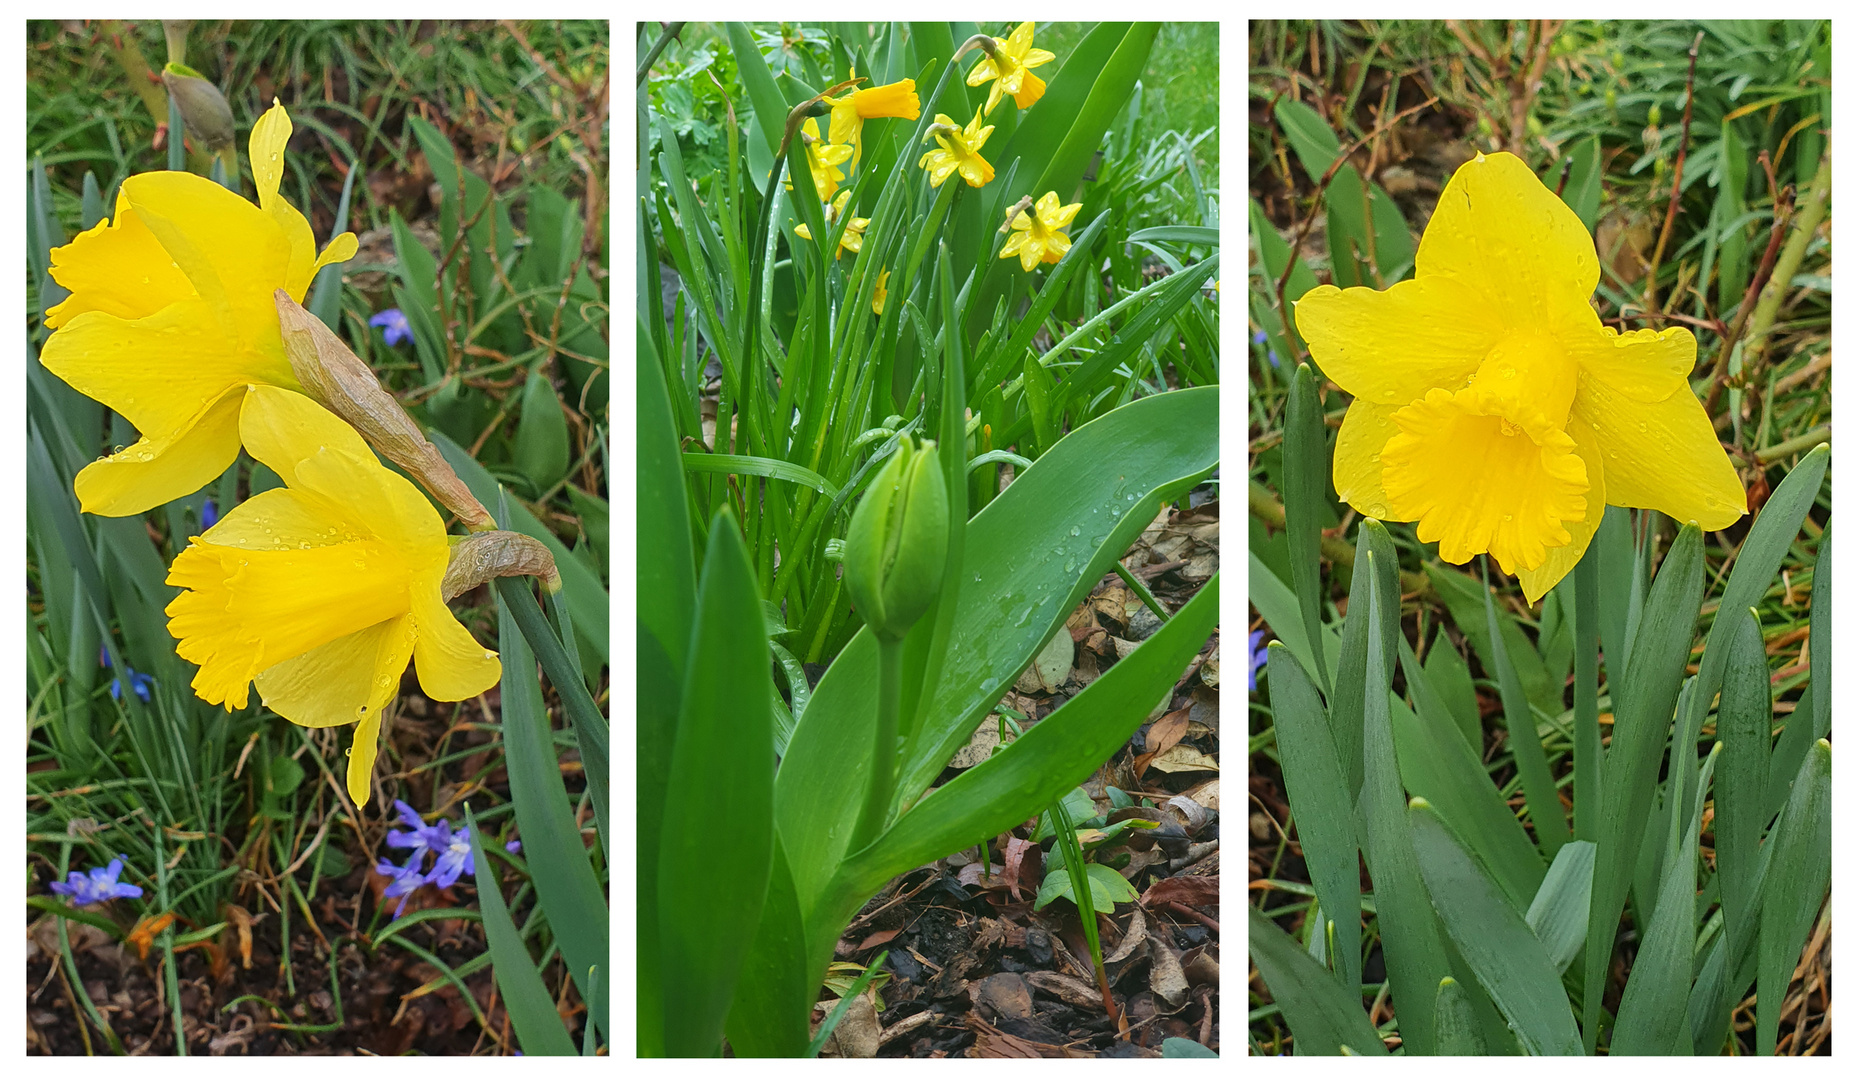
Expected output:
(341, 383)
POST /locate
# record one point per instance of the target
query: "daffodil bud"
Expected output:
(203, 107)
(338, 380)
(898, 541)
(480, 557)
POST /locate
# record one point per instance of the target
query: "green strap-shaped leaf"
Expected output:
(1042, 765)
(1509, 960)
(1743, 719)
(1352, 664)
(1801, 866)
(1451, 677)
(1526, 746)
(1306, 457)
(569, 892)
(768, 1017)
(529, 1004)
(1586, 691)
(1559, 913)
(1653, 1008)
(1324, 1017)
(1410, 935)
(1441, 768)
(1456, 1024)
(717, 836)
(773, 468)
(1320, 805)
(1642, 716)
(1464, 597)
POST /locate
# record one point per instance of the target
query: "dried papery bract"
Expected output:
(480, 557)
(341, 383)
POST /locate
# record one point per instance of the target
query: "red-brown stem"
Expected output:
(1678, 177)
(1310, 216)
(1784, 212)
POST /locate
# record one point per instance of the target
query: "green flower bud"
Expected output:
(203, 107)
(898, 541)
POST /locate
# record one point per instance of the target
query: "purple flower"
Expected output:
(1255, 658)
(393, 324)
(513, 846)
(454, 858)
(209, 514)
(96, 887)
(405, 880)
(422, 839)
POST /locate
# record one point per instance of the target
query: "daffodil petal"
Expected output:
(117, 267)
(1032, 88)
(361, 758)
(1357, 466)
(344, 681)
(159, 372)
(1021, 39)
(1644, 365)
(1560, 560)
(1663, 456)
(452, 665)
(339, 250)
(163, 467)
(269, 137)
(280, 520)
(234, 253)
(282, 428)
(1036, 57)
(1500, 232)
(1391, 347)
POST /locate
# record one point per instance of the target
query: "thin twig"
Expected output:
(1784, 211)
(1678, 176)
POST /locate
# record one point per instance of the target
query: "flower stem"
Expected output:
(884, 746)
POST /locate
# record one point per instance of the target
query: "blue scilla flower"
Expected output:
(209, 513)
(403, 880)
(97, 886)
(454, 858)
(419, 836)
(139, 682)
(1255, 658)
(393, 324)
(1260, 337)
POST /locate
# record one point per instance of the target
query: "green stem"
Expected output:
(871, 819)
(1587, 696)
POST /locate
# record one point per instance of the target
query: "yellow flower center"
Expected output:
(1490, 467)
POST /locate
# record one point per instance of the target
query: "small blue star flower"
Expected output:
(209, 514)
(1255, 658)
(405, 879)
(394, 327)
(421, 839)
(454, 858)
(513, 846)
(138, 681)
(96, 887)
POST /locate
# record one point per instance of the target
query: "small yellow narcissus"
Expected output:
(877, 294)
(1040, 236)
(898, 541)
(1007, 64)
(1491, 405)
(824, 160)
(850, 111)
(959, 151)
(850, 240)
(171, 318)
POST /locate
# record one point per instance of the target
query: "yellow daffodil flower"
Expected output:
(320, 591)
(171, 318)
(960, 151)
(1008, 66)
(1492, 406)
(850, 240)
(1040, 236)
(850, 111)
(877, 294)
(824, 159)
